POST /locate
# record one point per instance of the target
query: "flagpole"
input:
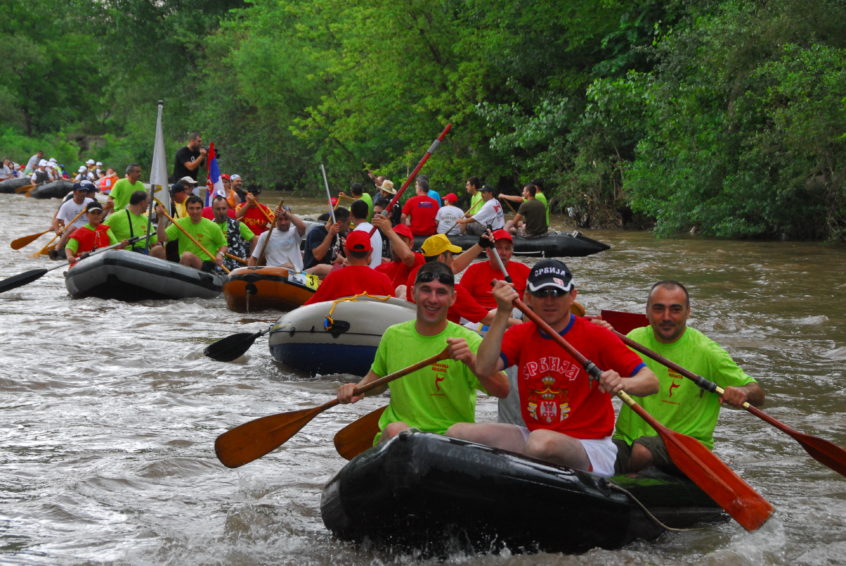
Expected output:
(152, 186)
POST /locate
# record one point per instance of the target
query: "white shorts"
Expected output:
(600, 451)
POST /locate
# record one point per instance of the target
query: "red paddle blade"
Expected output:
(714, 477)
(624, 322)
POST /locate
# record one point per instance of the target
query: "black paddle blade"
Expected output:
(231, 347)
(21, 279)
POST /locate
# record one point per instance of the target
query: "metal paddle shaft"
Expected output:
(328, 193)
(705, 469)
(823, 451)
(435, 144)
(358, 436)
(254, 439)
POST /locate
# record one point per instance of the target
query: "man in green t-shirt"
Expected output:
(679, 404)
(123, 189)
(435, 397)
(131, 222)
(202, 244)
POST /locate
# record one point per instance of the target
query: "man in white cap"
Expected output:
(81, 174)
(568, 418)
(489, 216)
(239, 194)
(98, 171)
(123, 189)
(40, 175)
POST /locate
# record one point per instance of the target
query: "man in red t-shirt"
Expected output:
(569, 420)
(403, 260)
(257, 216)
(478, 277)
(419, 212)
(357, 277)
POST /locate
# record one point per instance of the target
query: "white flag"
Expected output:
(158, 173)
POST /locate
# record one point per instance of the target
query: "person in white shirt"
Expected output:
(283, 249)
(358, 208)
(490, 215)
(448, 216)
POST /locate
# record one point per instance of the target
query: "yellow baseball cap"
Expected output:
(438, 244)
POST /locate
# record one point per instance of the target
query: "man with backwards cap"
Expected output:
(81, 195)
(357, 277)
(490, 215)
(433, 398)
(568, 418)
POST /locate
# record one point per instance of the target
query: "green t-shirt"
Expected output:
(680, 404)
(435, 397)
(121, 192)
(126, 225)
(369, 200)
(476, 203)
(206, 232)
(542, 197)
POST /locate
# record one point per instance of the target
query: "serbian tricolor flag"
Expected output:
(215, 183)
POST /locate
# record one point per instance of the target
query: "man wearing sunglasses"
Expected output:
(437, 396)
(568, 418)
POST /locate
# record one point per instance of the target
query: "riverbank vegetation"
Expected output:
(727, 117)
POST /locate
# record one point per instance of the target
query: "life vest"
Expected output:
(90, 240)
(106, 183)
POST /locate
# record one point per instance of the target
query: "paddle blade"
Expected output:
(358, 436)
(24, 188)
(231, 347)
(21, 279)
(26, 240)
(823, 451)
(254, 439)
(714, 477)
(624, 322)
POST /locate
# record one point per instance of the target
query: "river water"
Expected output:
(109, 411)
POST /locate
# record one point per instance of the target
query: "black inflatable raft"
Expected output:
(430, 492)
(53, 189)
(553, 244)
(131, 276)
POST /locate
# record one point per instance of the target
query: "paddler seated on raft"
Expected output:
(433, 398)
(131, 222)
(680, 404)
(465, 308)
(240, 240)
(531, 219)
(257, 216)
(356, 276)
(490, 215)
(383, 199)
(448, 215)
(403, 259)
(322, 248)
(283, 247)
(569, 418)
(479, 277)
(80, 196)
(94, 235)
(357, 193)
(358, 219)
(202, 230)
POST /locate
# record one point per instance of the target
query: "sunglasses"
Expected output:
(548, 292)
(428, 277)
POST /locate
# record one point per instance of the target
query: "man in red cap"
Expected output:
(403, 260)
(448, 216)
(478, 277)
(357, 277)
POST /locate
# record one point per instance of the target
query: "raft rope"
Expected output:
(329, 322)
(612, 485)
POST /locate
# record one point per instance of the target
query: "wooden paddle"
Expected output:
(823, 451)
(358, 436)
(25, 188)
(49, 246)
(702, 466)
(256, 438)
(261, 259)
(22, 279)
(236, 258)
(27, 240)
(190, 237)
